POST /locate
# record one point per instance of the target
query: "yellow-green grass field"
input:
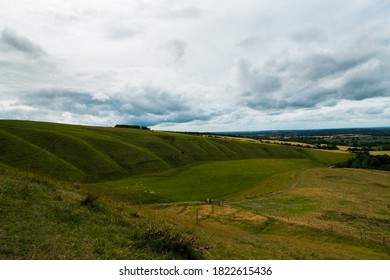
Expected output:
(324, 214)
(375, 153)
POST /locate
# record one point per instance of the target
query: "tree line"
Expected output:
(364, 160)
(132, 126)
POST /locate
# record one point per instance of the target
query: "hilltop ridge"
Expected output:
(91, 154)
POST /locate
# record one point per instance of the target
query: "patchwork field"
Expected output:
(73, 192)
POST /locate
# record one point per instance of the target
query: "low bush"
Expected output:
(167, 241)
(90, 201)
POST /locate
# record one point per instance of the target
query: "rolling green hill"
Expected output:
(139, 191)
(92, 154)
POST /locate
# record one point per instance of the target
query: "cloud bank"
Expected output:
(10, 41)
(197, 65)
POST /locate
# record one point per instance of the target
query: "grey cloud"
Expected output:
(19, 74)
(178, 49)
(11, 41)
(250, 42)
(149, 106)
(258, 87)
(157, 105)
(312, 34)
(365, 85)
(155, 101)
(63, 100)
(317, 80)
(312, 96)
(321, 65)
(184, 13)
(119, 31)
(257, 80)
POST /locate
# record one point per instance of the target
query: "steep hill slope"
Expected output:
(92, 154)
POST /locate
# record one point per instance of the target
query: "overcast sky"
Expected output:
(201, 65)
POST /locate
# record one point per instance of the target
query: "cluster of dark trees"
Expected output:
(365, 160)
(132, 126)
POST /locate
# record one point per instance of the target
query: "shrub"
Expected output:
(165, 240)
(90, 201)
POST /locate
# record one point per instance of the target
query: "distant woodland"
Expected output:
(132, 126)
(365, 160)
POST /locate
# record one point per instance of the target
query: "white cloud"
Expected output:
(205, 65)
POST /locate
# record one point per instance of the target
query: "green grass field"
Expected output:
(140, 190)
(216, 179)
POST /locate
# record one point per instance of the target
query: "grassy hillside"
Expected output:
(93, 154)
(45, 219)
(140, 191)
